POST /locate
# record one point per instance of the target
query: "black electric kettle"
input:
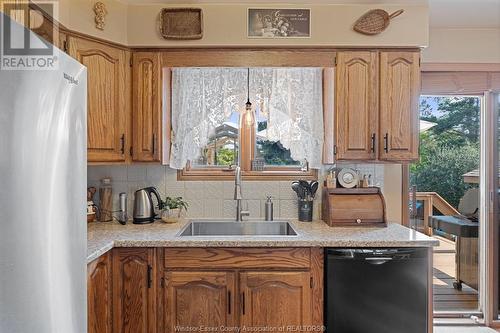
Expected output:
(144, 210)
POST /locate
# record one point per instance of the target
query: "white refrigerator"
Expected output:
(43, 177)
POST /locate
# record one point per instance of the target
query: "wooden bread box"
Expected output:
(353, 207)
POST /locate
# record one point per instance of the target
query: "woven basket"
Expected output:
(375, 21)
(181, 23)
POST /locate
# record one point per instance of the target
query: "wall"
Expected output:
(225, 25)
(78, 15)
(331, 25)
(211, 199)
(462, 45)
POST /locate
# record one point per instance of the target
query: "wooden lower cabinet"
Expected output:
(99, 297)
(134, 290)
(280, 301)
(148, 290)
(198, 299)
(255, 288)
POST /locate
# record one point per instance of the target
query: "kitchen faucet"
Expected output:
(237, 195)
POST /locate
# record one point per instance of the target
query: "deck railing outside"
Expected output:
(433, 200)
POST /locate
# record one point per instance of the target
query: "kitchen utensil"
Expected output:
(144, 209)
(306, 186)
(106, 200)
(348, 178)
(122, 214)
(314, 187)
(375, 21)
(305, 210)
(298, 189)
(91, 208)
(90, 193)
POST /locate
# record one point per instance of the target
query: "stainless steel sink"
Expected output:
(233, 228)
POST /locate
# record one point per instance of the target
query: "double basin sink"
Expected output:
(234, 228)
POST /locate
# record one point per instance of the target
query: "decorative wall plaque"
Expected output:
(278, 23)
(100, 15)
(181, 23)
(375, 21)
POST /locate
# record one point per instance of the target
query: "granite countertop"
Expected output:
(103, 236)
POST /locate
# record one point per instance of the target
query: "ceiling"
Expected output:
(475, 14)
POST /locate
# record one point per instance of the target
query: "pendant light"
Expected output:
(248, 117)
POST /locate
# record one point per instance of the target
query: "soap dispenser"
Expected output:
(269, 209)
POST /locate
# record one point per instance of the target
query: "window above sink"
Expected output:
(211, 129)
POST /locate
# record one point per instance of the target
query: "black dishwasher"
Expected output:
(382, 290)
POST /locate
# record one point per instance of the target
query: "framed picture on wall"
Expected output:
(278, 23)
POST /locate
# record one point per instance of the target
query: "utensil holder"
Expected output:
(306, 210)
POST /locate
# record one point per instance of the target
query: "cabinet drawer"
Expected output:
(237, 258)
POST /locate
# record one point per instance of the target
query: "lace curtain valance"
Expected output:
(289, 98)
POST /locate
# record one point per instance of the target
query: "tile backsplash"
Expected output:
(212, 199)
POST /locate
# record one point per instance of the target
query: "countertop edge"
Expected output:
(106, 237)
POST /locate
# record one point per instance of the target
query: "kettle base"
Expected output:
(143, 221)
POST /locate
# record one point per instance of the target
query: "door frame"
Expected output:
(489, 186)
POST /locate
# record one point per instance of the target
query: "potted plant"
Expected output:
(172, 209)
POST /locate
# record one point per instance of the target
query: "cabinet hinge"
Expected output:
(311, 283)
(334, 149)
(131, 151)
(65, 46)
(131, 62)
(335, 60)
(162, 282)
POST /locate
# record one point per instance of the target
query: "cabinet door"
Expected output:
(146, 112)
(134, 290)
(99, 299)
(399, 105)
(357, 105)
(275, 299)
(194, 299)
(43, 25)
(106, 98)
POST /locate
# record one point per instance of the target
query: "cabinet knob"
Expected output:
(358, 221)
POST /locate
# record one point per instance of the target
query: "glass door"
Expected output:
(490, 198)
(444, 197)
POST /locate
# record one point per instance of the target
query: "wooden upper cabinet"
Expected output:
(356, 116)
(134, 290)
(199, 298)
(275, 299)
(43, 25)
(147, 107)
(399, 105)
(107, 98)
(99, 297)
